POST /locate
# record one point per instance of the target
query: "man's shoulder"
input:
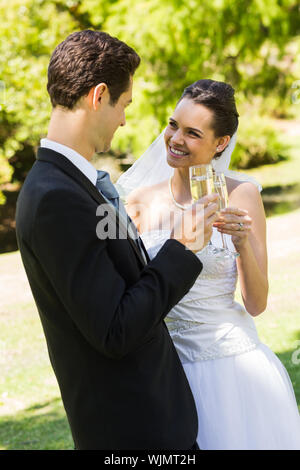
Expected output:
(46, 185)
(45, 176)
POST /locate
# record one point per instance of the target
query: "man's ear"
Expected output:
(97, 94)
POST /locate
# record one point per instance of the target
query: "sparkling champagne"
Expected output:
(201, 186)
(201, 181)
(221, 189)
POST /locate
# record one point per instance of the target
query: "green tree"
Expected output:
(29, 31)
(252, 44)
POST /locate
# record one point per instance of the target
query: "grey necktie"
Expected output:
(105, 186)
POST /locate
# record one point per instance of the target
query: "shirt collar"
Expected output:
(78, 160)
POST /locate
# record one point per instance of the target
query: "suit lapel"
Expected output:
(50, 156)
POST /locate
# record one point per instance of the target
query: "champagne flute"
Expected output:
(221, 189)
(201, 184)
(201, 181)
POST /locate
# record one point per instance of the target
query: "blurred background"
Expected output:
(252, 44)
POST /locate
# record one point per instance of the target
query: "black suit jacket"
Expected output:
(102, 311)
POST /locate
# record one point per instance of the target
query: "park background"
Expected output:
(252, 44)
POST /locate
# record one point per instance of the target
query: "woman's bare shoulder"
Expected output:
(246, 195)
(243, 188)
(143, 201)
(146, 194)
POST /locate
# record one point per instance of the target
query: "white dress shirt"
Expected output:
(78, 160)
(89, 171)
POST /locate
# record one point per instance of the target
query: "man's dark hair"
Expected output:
(85, 59)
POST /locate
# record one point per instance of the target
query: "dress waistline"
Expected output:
(196, 341)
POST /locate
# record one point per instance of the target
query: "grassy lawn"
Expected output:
(31, 412)
(279, 325)
(281, 182)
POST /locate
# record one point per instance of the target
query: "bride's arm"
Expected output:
(252, 263)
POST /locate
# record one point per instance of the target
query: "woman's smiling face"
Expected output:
(189, 137)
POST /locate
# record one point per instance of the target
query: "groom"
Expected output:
(101, 301)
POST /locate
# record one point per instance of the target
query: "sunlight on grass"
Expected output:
(283, 173)
(279, 325)
(31, 411)
(42, 427)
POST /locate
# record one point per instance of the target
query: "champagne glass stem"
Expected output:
(224, 242)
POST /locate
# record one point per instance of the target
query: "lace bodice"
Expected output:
(208, 323)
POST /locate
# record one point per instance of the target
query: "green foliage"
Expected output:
(245, 43)
(29, 30)
(253, 45)
(258, 143)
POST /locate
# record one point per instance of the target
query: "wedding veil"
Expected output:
(152, 168)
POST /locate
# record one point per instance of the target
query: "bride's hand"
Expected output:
(194, 227)
(235, 222)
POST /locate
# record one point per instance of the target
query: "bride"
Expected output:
(243, 394)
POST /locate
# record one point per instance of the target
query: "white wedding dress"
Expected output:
(243, 394)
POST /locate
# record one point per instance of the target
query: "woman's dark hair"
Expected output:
(83, 60)
(219, 98)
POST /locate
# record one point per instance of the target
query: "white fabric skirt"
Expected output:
(245, 402)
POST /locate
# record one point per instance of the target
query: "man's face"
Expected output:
(109, 118)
